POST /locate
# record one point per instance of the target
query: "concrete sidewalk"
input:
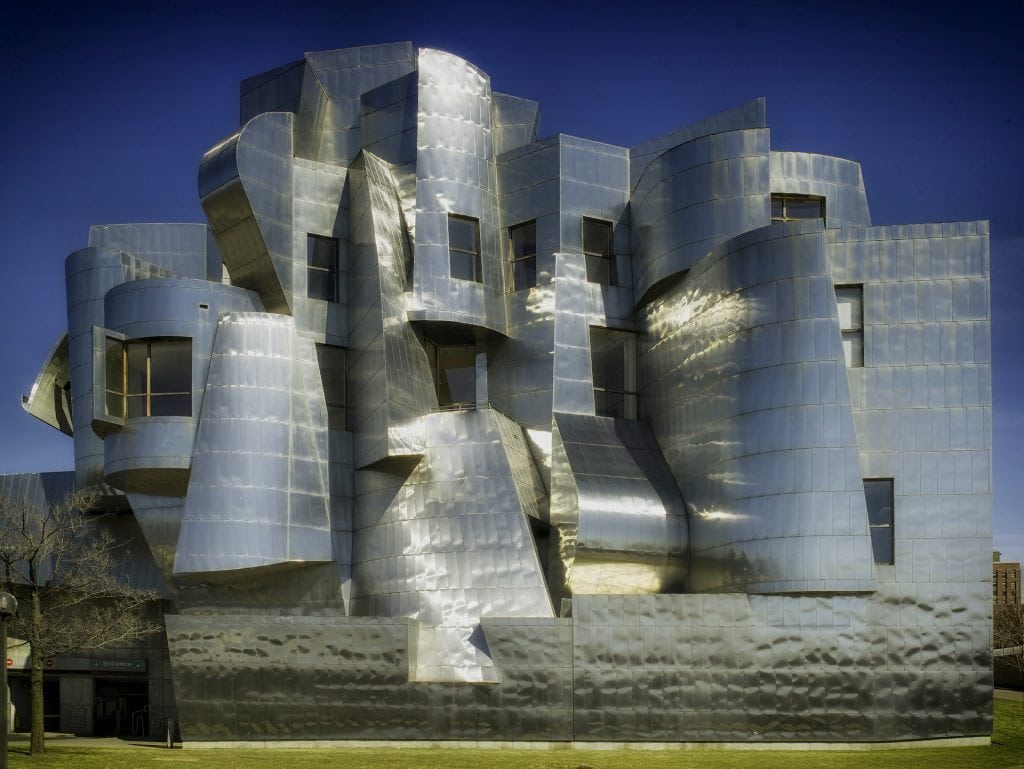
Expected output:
(1008, 694)
(19, 738)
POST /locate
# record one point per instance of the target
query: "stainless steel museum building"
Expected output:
(439, 430)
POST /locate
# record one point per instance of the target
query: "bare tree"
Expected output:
(1008, 635)
(63, 565)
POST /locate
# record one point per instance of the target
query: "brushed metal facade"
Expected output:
(460, 538)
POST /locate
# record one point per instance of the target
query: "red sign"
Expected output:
(49, 662)
(10, 662)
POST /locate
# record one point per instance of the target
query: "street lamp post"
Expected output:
(8, 608)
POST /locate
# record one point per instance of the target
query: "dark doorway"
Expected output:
(21, 698)
(51, 704)
(122, 707)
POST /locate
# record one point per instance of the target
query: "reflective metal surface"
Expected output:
(467, 549)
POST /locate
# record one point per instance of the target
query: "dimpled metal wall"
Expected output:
(455, 539)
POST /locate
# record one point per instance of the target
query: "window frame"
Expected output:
(123, 395)
(855, 332)
(315, 269)
(630, 394)
(434, 356)
(474, 255)
(528, 258)
(786, 197)
(889, 525)
(605, 257)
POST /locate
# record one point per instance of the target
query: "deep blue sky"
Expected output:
(108, 112)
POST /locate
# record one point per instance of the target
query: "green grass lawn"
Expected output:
(1006, 751)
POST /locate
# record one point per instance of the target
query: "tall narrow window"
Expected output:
(453, 368)
(322, 268)
(464, 248)
(613, 359)
(878, 493)
(791, 208)
(599, 251)
(149, 378)
(850, 300)
(523, 254)
(332, 374)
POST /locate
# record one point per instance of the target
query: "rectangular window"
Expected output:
(464, 248)
(322, 268)
(149, 378)
(523, 255)
(599, 252)
(453, 368)
(850, 300)
(332, 374)
(791, 208)
(614, 365)
(878, 493)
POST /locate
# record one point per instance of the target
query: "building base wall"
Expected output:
(949, 742)
(660, 669)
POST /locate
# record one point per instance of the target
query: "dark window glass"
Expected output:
(170, 366)
(136, 406)
(599, 252)
(456, 369)
(322, 268)
(332, 373)
(170, 405)
(878, 494)
(613, 359)
(523, 253)
(464, 248)
(115, 377)
(137, 367)
(790, 208)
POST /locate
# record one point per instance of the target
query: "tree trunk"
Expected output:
(37, 746)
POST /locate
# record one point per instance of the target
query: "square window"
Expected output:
(599, 252)
(453, 368)
(523, 255)
(464, 248)
(791, 208)
(322, 268)
(149, 377)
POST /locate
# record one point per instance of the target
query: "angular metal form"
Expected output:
(441, 430)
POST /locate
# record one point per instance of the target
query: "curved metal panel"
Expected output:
(258, 493)
(152, 455)
(90, 273)
(49, 400)
(345, 75)
(695, 196)
(455, 174)
(389, 375)
(620, 520)
(448, 544)
(750, 115)
(837, 180)
(182, 249)
(744, 366)
(245, 187)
